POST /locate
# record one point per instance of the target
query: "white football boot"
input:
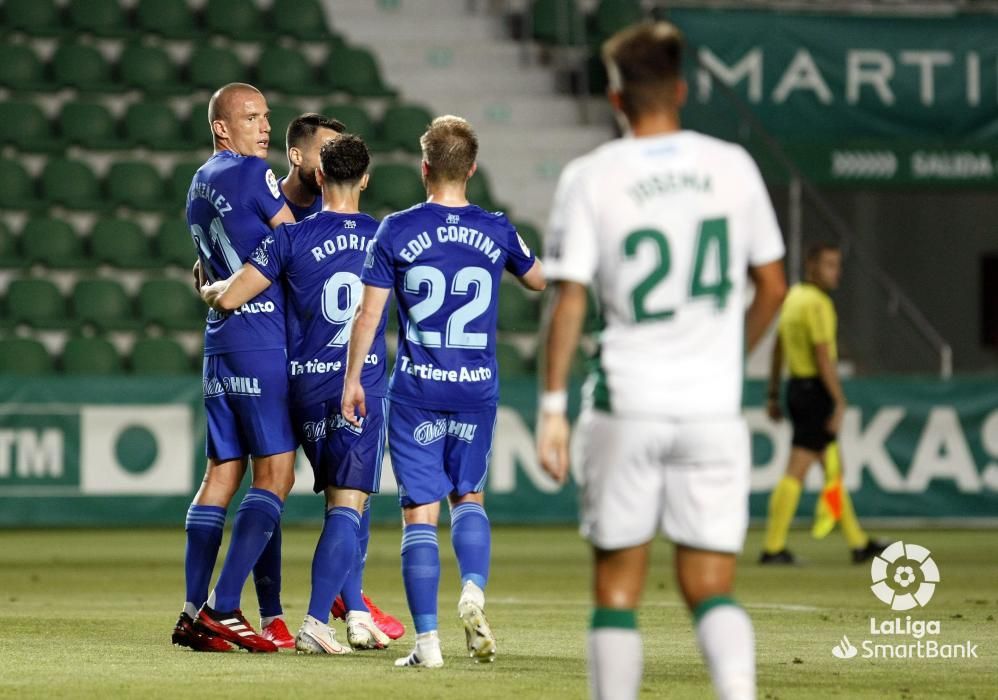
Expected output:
(316, 637)
(426, 653)
(477, 633)
(362, 633)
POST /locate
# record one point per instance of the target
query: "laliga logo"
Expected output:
(897, 570)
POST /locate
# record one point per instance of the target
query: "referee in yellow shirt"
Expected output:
(815, 401)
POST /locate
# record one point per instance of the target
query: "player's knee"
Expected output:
(612, 595)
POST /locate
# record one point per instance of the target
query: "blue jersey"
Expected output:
(301, 213)
(231, 200)
(320, 260)
(446, 264)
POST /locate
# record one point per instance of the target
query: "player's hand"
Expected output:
(834, 424)
(553, 434)
(352, 407)
(773, 409)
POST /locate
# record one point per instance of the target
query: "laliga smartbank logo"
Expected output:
(904, 577)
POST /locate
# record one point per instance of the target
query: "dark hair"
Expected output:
(816, 250)
(642, 62)
(303, 127)
(344, 159)
(450, 148)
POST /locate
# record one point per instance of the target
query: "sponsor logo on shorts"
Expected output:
(242, 386)
(316, 430)
(429, 432)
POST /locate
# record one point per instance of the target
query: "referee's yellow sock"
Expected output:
(782, 506)
(855, 536)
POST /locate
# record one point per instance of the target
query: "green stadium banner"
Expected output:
(124, 451)
(854, 99)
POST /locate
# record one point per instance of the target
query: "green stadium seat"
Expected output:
(90, 356)
(105, 18)
(154, 125)
(103, 304)
(285, 70)
(518, 311)
(511, 362)
(90, 125)
(24, 357)
(17, 188)
(37, 303)
(174, 245)
(530, 236)
(150, 69)
(159, 356)
(82, 67)
(198, 129)
(402, 125)
(300, 19)
(171, 304)
(357, 121)
(235, 19)
(72, 184)
(169, 18)
(21, 69)
(480, 193)
(211, 67)
(53, 243)
(180, 181)
(33, 17)
(9, 257)
(395, 186)
(280, 116)
(613, 15)
(355, 72)
(137, 185)
(24, 126)
(557, 22)
(121, 243)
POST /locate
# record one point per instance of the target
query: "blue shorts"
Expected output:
(340, 454)
(438, 453)
(246, 403)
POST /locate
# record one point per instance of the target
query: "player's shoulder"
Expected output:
(719, 150)
(254, 171)
(404, 217)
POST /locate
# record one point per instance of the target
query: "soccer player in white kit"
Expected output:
(666, 226)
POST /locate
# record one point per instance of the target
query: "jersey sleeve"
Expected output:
(273, 253)
(818, 320)
(520, 258)
(379, 266)
(766, 244)
(570, 248)
(261, 192)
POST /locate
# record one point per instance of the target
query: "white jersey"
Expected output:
(665, 228)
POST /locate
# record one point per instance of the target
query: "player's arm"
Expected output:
(770, 288)
(829, 375)
(231, 293)
(775, 374)
(562, 330)
(365, 324)
(283, 216)
(534, 277)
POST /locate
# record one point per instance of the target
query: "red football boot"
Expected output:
(233, 628)
(184, 635)
(385, 622)
(278, 633)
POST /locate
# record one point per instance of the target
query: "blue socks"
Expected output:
(421, 574)
(267, 577)
(353, 598)
(335, 553)
(472, 539)
(256, 521)
(204, 535)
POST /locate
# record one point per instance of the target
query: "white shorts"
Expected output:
(687, 479)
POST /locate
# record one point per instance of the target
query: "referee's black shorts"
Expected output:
(810, 406)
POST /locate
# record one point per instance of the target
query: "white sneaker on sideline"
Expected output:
(362, 633)
(477, 633)
(426, 653)
(316, 637)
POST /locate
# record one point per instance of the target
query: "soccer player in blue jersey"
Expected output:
(233, 203)
(320, 260)
(306, 133)
(444, 259)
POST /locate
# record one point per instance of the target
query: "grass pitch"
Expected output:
(88, 613)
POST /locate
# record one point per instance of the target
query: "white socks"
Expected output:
(616, 656)
(727, 641)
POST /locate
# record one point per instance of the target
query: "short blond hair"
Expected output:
(450, 148)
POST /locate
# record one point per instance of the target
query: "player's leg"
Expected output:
(466, 462)
(862, 546)
(706, 494)
(620, 507)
